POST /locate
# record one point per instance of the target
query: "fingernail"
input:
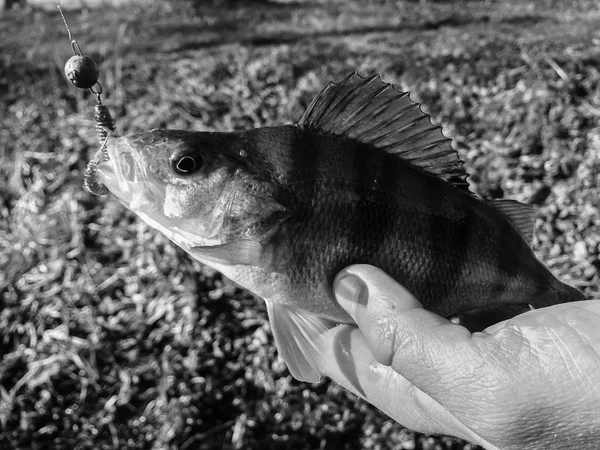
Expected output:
(350, 292)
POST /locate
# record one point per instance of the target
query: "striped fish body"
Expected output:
(351, 203)
(363, 178)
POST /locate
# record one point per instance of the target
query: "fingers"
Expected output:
(348, 361)
(486, 382)
(434, 354)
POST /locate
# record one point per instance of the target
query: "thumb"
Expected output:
(426, 349)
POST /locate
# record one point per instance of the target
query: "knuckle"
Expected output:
(383, 337)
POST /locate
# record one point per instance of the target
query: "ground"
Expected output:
(110, 337)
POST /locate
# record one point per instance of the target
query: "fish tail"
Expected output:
(571, 294)
(478, 320)
(559, 293)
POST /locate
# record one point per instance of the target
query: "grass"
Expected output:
(111, 337)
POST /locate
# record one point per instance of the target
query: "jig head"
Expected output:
(83, 72)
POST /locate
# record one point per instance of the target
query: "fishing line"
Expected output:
(58, 5)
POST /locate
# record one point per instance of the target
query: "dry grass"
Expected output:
(112, 338)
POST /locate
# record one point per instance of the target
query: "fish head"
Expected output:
(197, 188)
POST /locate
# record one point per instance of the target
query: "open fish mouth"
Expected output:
(117, 167)
(112, 169)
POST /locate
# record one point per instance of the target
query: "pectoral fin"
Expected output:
(297, 336)
(269, 252)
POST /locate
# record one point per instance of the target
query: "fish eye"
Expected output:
(186, 164)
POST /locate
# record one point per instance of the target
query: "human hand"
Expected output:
(532, 382)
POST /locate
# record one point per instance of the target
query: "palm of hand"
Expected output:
(533, 368)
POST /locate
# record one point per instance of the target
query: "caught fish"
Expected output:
(363, 177)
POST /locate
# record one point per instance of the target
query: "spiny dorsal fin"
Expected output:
(522, 216)
(374, 112)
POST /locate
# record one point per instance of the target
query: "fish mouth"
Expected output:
(119, 168)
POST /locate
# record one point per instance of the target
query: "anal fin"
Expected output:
(297, 336)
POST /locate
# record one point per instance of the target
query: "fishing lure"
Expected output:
(83, 72)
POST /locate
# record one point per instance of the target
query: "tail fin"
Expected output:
(570, 294)
(480, 319)
(557, 293)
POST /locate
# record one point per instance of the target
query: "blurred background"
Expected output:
(110, 337)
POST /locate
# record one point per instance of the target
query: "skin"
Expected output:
(532, 382)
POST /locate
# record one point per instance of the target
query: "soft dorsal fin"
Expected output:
(374, 112)
(522, 216)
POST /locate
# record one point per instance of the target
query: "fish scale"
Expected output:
(363, 178)
(443, 234)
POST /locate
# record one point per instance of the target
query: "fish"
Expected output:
(363, 177)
